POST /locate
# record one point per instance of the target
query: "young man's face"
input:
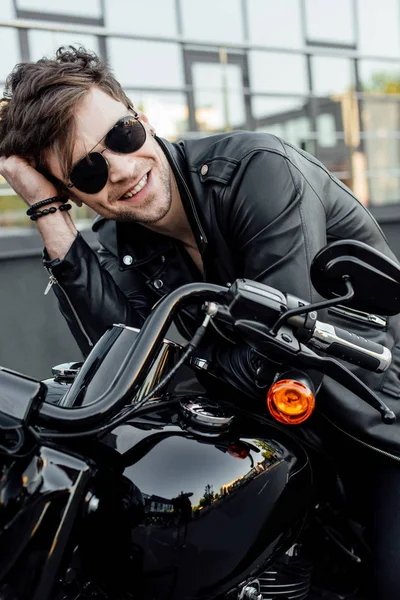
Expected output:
(147, 169)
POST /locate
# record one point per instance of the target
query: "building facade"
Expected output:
(324, 75)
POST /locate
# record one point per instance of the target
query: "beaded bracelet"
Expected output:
(48, 211)
(37, 205)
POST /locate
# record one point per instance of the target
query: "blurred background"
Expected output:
(323, 75)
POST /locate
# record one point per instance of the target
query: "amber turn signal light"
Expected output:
(290, 402)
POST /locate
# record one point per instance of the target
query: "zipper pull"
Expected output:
(52, 281)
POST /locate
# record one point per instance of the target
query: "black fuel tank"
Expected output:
(220, 491)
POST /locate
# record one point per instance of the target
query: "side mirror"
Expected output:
(374, 277)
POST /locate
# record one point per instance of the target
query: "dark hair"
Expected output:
(37, 110)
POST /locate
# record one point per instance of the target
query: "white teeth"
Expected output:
(137, 188)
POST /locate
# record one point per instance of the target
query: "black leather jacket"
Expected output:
(259, 208)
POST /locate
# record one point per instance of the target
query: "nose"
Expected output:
(120, 166)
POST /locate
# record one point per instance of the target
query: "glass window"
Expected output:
(275, 24)
(167, 112)
(285, 117)
(7, 9)
(380, 118)
(330, 21)
(12, 209)
(333, 133)
(146, 64)
(379, 27)
(276, 72)
(265, 107)
(379, 76)
(218, 96)
(331, 75)
(384, 187)
(298, 131)
(326, 127)
(329, 117)
(89, 8)
(381, 132)
(209, 20)
(45, 43)
(3, 185)
(9, 51)
(157, 17)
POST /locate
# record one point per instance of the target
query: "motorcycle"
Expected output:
(125, 477)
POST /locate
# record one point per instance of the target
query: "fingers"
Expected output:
(11, 166)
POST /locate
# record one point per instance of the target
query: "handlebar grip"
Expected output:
(350, 347)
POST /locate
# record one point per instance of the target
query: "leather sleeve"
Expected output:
(274, 224)
(278, 214)
(93, 294)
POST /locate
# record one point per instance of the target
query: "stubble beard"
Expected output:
(156, 206)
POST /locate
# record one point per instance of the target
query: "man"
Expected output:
(233, 205)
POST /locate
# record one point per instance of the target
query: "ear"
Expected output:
(68, 194)
(143, 117)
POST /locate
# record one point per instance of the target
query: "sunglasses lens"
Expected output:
(90, 174)
(128, 135)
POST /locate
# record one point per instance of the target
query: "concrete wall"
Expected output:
(33, 334)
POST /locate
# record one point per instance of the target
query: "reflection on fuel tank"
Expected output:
(160, 510)
(217, 497)
(163, 511)
(270, 459)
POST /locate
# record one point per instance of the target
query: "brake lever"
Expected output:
(344, 376)
(284, 347)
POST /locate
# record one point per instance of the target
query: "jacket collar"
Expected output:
(175, 154)
(143, 245)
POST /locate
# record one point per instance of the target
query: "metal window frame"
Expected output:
(59, 18)
(320, 43)
(101, 31)
(192, 56)
(63, 23)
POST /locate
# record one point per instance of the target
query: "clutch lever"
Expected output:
(285, 348)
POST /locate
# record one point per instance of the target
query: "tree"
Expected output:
(209, 496)
(383, 81)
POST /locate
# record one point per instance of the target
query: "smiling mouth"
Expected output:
(136, 189)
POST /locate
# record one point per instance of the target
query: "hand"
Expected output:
(28, 183)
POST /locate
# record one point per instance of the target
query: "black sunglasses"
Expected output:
(90, 174)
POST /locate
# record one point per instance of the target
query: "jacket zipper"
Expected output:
(375, 320)
(379, 450)
(53, 281)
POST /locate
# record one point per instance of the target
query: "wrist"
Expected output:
(50, 192)
(58, 233)
(45, 206)
(50, 215)
(55, 220)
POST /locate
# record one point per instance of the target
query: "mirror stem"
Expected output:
(317, 306)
